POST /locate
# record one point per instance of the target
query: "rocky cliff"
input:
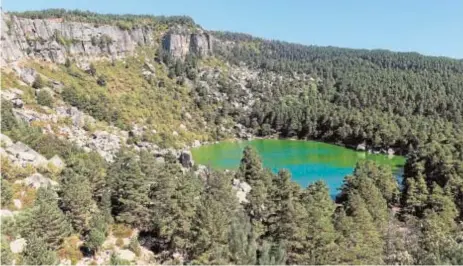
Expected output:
(180, 42)
(54, 40)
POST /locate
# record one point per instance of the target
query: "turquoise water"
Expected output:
(307, 161)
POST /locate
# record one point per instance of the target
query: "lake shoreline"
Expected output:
(397, 152)
(307, 160)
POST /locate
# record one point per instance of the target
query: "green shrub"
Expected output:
(38, 82)
(7, 116)
(95, 239)
(67, 63)
(121, 231)
(124, 25)
(6, 193)
(45, 98)
(101, 80)
(70, 249)
(92, 69)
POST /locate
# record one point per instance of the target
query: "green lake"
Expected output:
(307, 161)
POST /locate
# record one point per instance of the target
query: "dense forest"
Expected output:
(382, 97)
(201, 220)
(405, 101)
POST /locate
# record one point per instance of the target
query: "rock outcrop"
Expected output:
(186, 159)
(14, 96)
(37, 180)
(179, 42)
(242, 189)
(21, 154)
(54, 40)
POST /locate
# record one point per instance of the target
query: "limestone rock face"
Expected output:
(179, 42)
(54, 40)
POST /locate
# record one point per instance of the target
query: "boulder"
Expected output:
(6, 213)
(196, 144)
(17, 103)
(57, 162)
(362, 147)
(149, 67)
(390, 152)
(242, 189)
(5, 140)
(77, 117)
(17, 203)
(57, 86)
(186, 159)
(14, 96)
(125, 254)
(27, 74)
(24, 155)
(106, 144)
(37, 180)
(18, 245)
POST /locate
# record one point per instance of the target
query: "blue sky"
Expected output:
(432, 27)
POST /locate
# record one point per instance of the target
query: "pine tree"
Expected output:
(321, 235)
(242, 241)
(165, 206)
(284, 222)
(98, 232)
(272, 254)
(415, 196)
(251, 172)
(129, 191)
(361, 242)
(366, 188)
(439, 226)
(77, 202)
(46, 220)
(37, 252)
(382, 177)
(93, 167)
(212, 222)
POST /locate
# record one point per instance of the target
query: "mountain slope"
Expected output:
(103, 109)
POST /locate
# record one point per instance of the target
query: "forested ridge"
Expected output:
(383, 97)
(166, 212)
